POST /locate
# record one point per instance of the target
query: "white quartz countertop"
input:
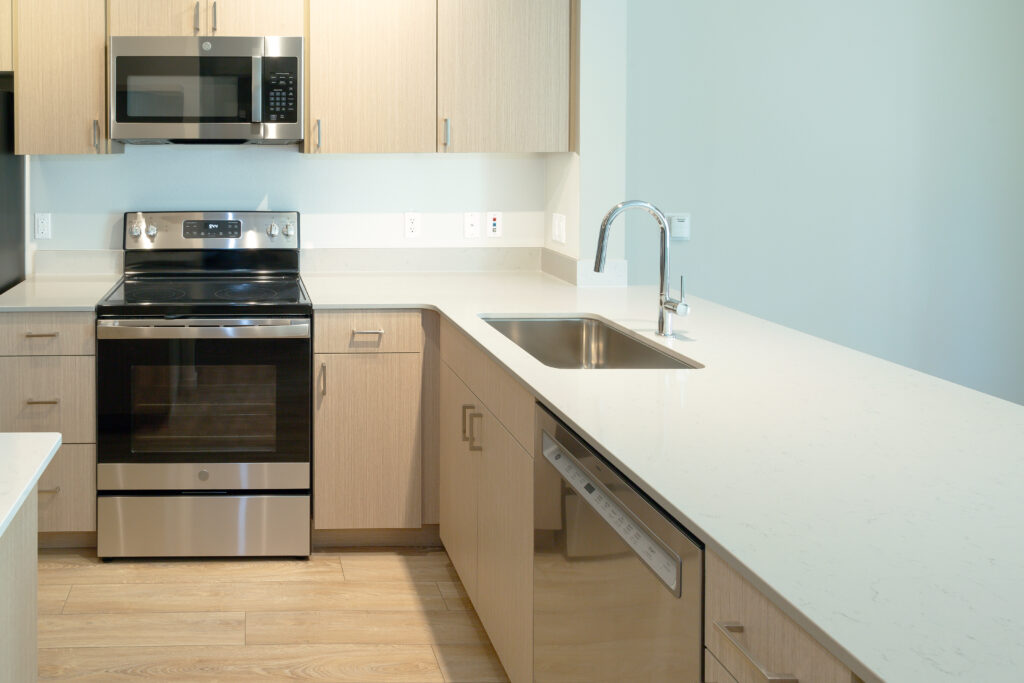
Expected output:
(57, 293)
(880, 507)
(23, 457)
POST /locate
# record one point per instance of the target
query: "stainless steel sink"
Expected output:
(585, 342)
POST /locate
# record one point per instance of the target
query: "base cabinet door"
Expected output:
(367, 441)
(505, 546)
(67, 490)
(459, 475)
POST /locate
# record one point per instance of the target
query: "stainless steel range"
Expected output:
(204, 375)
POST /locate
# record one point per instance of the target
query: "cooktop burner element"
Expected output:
(246, 291)
(142, 293)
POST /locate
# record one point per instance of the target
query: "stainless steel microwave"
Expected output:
(206, 89)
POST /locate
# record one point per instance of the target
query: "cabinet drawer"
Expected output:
(512, 404)
(47, 334)
(745, 631)
(368, 332)
(49, 394)
(714, 672)
(67, 490)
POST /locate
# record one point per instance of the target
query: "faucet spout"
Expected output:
(666, 305)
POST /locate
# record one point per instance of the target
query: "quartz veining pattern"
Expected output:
(879, 506)
(23, 458)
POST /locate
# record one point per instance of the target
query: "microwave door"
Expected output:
(257, 90)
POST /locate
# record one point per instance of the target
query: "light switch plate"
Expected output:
(494, 224)
(558, 228)
(44, 226)
(413, 225)
(471, 225)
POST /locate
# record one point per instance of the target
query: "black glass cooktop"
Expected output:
(151, 295)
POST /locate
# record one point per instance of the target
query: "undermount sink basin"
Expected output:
(585, 342)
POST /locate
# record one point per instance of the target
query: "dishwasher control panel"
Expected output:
(662, 562)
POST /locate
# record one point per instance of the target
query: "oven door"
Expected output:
(204, 404)
(173, 89)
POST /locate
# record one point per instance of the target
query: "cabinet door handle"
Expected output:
(466, 407)
(55, 489)
(41, 335)
(323, 372)
(96, 134)
(473, 446)
(729, 629)
(50, 402)
(447, 132)
(195, 21)
(214, 16)
(379, 332)
(319, 128)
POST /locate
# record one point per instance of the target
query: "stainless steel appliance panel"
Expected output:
(203, 526)
(203, 328)
(172, 230)
(618, 586)
(198, 476)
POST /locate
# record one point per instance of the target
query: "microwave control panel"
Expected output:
(280, 89)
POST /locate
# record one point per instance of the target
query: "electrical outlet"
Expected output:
(44, 226)
(413, 225)
(494, 224)
(679, 226)
(558, 228)
(471, 225)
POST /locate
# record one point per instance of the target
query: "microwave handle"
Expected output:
(257, 89)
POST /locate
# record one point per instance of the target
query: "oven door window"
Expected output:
(204, 400)
(184, 89)
(211, 409)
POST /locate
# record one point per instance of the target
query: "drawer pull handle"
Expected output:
(55, 489)
(729, 629)
(43, 335)
(379, 333)
(323, 371)
(465, 409)
(50, 402)
(473, 446)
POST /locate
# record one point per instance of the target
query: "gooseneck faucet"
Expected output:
(666, 304)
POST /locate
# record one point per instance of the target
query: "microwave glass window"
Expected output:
(203, 408)
(182, 96)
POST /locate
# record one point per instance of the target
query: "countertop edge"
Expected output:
(44, 462)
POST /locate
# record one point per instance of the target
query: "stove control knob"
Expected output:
(289, 230)
(135, 230)
(273, 230)
(151, 231)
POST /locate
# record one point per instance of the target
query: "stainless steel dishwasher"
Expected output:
(618, 585)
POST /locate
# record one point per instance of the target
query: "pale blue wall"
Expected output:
(854, 169)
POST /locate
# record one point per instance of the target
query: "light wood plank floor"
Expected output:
(351, 615)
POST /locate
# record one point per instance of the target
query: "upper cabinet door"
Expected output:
(372, 76)
(257, 17)
(59, 67)
(157, 17)
(503, 75)
(6, 36)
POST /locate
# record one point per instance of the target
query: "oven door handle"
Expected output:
(265, 328)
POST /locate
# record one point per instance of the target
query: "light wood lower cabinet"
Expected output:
(367, 441)
(59, 75)
(49, 394)
(714, 672)
(18, 595)
(67, 490)
(487, 520)
(745, 632)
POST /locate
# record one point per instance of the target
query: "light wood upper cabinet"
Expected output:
(59, 69)
(6, 36)
(372, 76)
(157, 17)
(367, 441)
(256, 17)
(503, 75)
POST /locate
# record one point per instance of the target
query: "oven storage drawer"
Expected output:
(47, 334)
(202, 526)
(49, 394)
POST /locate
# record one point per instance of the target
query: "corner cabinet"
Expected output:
(367, 420)
(503, 75)
(487, 497)
(59, 69)
(372, 76)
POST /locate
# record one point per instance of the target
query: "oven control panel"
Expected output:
(211, 230)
